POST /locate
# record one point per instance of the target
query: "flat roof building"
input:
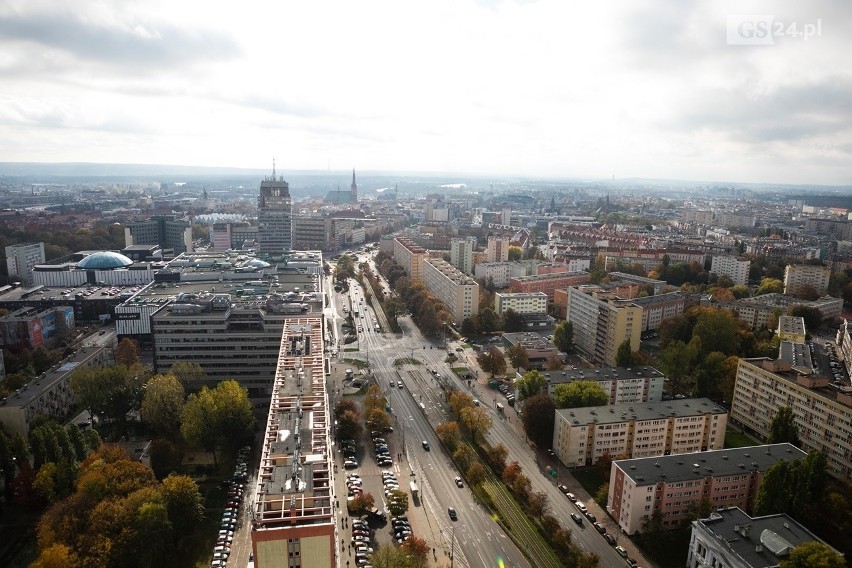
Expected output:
(798, 276)
(582, 436)
(791, 328)
(729, 537)
(22, 258)
(674, 484)
(459, 292)
(293, 504)
(602, 321)
(520, 302)
(734, 267)
(274, 216)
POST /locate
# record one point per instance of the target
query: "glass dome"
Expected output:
(104, 261)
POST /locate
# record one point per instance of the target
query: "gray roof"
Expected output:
(602, 374)
(697, 465)
(761, 542)
(622, 412)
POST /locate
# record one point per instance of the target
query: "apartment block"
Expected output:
(798, 275)
(461, 253)
(792, 329)
(653, 285)
(293, 504)
(660, 307)
(547, 283)
(635, 384)
(582, 436)
(410, 256)
(520, 302)
(735, 268)
(602, 321)
(497, 249)
(50, 393)
(758, 311)
(498, 272)
(844, 345)
(821, 408)
(460, 293)
(22, 258)
(674, 485)
(730, 538)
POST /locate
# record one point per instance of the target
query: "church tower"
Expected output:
(354, 188)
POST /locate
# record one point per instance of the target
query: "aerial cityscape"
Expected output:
(385, 285)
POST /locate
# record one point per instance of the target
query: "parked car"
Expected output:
(621, 551)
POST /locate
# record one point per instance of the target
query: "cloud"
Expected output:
(147, 45)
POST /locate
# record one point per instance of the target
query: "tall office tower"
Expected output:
(274, 216)
(171, 234)
(20, 260)
(354, 188)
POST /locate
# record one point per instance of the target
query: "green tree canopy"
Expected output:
(624, 354)
(513, 321)
(162, 405)
(770, 286)
(492, 361)
(811, 315)
(218, 418)
(577, 394)
(813, 554)
(783, 427)
(792, 487)
(191, 375)
(531, 384)
(538, 417)
(563, 336)
(718, 330)
(518, 356)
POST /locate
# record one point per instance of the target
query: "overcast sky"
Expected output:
(549, 88)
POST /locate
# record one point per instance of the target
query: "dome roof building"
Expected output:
(104, 260)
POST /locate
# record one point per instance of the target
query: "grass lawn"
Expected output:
(355, 362)
(734, 439)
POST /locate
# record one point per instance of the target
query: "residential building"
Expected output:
(797, 276)
(792, 329)
(22, 258)
(844, 345)
(822, 409)
(293, 507)
(583, 436)
(653, 285)
(520, 302)
(233, 236)
(497, 249)
(410, 256)
(760, 311)
(660, 307)
(547, 283)
(274, 216)
(313, 233)
(735, 220)
(623, 384)
(734, 267)
(50, 393)
(498, 272)
(172, 235)
(32, 327)
(674, 485)
(461, 253)
(730, 538)
(459, 292)
(602, 322)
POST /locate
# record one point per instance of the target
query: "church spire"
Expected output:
(353, 189)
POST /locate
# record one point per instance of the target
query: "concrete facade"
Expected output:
(22, 258)
(798, 275)
(602, 322)
(460, 293)
(522, 303)
(735, 268)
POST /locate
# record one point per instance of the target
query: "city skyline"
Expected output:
(545, 89)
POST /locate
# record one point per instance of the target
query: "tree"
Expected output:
(811, 315)
(538, 417)
(497, 457)
(792, 487)
(361, 504)
(347, 404)
(708, 375)
(489, 321)
(348, 426)
(56, 556)
(492, 361)
(515, 253)
(459, 401)
(518, 356)
(510, 472)
(475, 474)
(397, 502)
(449, 434)
(624, 354)
(769, 286)
(476, 420)
(198, 421)
(162, 405)
(417, 550)
(183, 502)
(127, 352)
(191, 375)
(165, 457)
(783, 427)
(577, 394)
(813, 554)
(603, 494)
(718, 331)
(377, 419)
(531, 384)
(563, 336)
(374, 399)
(388, 556)
(513, 321)
(537, 503)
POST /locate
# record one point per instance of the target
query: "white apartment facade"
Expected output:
(520, 302)
(460, 293)
(602, 322)
(735, 268)
(22, 258)
(798, 275)
(461, 253)
(499, 272)
(497, 249)
(582, 436)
